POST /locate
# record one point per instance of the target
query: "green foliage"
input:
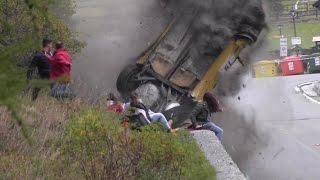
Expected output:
(176, 155)
(64, 9)
(95, 145)
(23, 24)
(100, 148)
(73, 141)
(305, 30)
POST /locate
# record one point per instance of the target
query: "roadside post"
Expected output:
(280, 30)
(283, 47)
(293, 14)
(296, 42)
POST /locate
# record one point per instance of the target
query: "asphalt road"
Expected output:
(116, 32)
(271, 132)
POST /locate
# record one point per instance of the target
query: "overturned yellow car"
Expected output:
(178, 66)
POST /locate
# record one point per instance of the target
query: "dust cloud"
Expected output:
(219, 21)
(115, 32)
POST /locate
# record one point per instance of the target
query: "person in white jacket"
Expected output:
(149, 115)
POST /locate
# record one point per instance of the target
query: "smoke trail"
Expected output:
(115, 32)
(217, 23)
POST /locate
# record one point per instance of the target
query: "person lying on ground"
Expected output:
(61, 63)
(41, 64)
(201, 115)
(149, 115)
(113, 104)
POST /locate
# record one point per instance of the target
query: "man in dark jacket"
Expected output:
(201, 115)
(41, 64)
(41, 61)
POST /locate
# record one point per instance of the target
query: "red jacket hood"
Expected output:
(63, 56)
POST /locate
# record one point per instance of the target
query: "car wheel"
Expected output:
(127, 80)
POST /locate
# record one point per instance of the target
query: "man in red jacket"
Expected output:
(61, 63)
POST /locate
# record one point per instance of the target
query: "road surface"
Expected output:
(116, 32)
(271, 132)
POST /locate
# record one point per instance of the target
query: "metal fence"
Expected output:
(304, 12)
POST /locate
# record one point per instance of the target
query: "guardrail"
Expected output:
(305, 12)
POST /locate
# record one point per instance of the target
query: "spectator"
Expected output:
(201, 115)
(40, 64)
(149, 115)
(61, 63)
(113, 104)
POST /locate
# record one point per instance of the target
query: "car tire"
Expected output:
(126, 82)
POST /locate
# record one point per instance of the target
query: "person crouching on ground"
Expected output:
(61, 63)
(201, 115)
(113, 104)
(151, 116)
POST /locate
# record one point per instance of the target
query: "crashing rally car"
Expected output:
(175, 69)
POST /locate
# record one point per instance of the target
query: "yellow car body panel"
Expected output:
(209, 81)
(145, 56)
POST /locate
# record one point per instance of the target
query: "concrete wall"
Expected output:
(217, 155)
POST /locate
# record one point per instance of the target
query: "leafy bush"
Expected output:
(23, 24)
(98, 146)
(95, 145)
(71, 140)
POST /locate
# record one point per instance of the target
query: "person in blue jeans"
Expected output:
(149, 115)
(216, 129)
(201, 115)
(159, 117)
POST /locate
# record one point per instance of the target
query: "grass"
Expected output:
(76, 140)
(305, 30)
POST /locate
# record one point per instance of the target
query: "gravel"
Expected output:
(217, 155)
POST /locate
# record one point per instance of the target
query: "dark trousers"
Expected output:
(35, 93)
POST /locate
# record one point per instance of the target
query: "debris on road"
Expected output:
(278, 152)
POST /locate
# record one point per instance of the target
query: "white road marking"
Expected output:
(299, 87)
